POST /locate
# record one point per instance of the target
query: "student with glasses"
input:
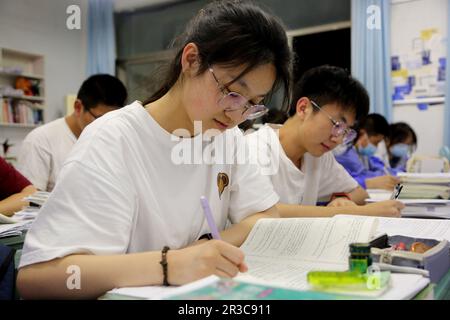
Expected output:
(326, 103)
(123, 210)
(45, 149)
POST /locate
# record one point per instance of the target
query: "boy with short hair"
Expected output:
(327, 103)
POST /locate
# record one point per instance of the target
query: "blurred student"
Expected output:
(327, 101)
(123, 199)
(13, 188)
(359, 159)
(401, 144)
(45, 149)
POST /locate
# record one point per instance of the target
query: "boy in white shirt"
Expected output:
(296, 156)
(45, 149)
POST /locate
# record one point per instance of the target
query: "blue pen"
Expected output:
(209, 218)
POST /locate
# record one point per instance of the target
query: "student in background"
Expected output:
(401, 144)
(122, 196)
(13, 188)
(45, 149)
(327, 101)
(359, 159)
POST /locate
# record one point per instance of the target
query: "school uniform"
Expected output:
(318, 178)
(125, 188)
(362, 167)
(44, 151)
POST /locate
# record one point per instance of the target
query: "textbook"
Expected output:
(425, 185)
(280, 252)
(215, 288)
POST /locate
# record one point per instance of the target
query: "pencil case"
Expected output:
(434, 262)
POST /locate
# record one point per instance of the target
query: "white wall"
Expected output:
(408, 18)
(39, 26)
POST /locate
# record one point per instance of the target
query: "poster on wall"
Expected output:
(420, 73)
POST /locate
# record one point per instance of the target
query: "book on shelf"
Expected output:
(20, 112)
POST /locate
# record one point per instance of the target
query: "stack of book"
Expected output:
(425, 185)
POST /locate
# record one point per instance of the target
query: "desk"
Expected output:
(15, 242)
(440, 291)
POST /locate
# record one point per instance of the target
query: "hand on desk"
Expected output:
(382, 182)
(211, 257)
(341, 202)
(388, 208)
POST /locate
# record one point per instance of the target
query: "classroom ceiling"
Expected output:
(130, 5)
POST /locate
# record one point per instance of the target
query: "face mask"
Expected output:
(399, 150)
(368, 151)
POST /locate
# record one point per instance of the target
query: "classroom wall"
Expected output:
(40, 27)
(408, 18)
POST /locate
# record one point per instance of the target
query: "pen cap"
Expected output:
(360, 249)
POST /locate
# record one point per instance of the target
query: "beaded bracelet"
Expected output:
(163, 263)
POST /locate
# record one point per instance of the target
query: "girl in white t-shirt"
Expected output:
(133, 182)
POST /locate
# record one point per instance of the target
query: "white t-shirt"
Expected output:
(121, 192)
(44, 151)
(319, 178)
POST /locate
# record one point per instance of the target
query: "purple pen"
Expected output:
(209, 218)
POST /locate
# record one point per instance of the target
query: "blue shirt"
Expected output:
(361, 167)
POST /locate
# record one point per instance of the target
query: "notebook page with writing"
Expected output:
(282, 251)
(313, 239)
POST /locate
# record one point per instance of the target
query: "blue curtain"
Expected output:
(101, 37)
(447, 84)
(371, 61)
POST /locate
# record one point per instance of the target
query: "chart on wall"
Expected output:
(419, 72)
(419, 44)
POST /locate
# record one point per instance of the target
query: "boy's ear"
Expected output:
(190, 59)
(78, 107)
(302, 107)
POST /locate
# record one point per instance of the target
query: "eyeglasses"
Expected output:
(94, 115)
(339, 129)
(232, 101)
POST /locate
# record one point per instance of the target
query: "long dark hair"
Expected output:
(399, 132)
(234, 33)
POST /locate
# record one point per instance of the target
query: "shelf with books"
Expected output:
(22, 89)
(17, 74)
(22, 97)
(18, 125)
(21, 112)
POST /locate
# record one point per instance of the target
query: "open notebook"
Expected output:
(280, 252)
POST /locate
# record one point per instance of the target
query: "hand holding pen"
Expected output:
(396, 193)
(232, 258)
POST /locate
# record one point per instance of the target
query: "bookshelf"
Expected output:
(22, 89)
(22, 97)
